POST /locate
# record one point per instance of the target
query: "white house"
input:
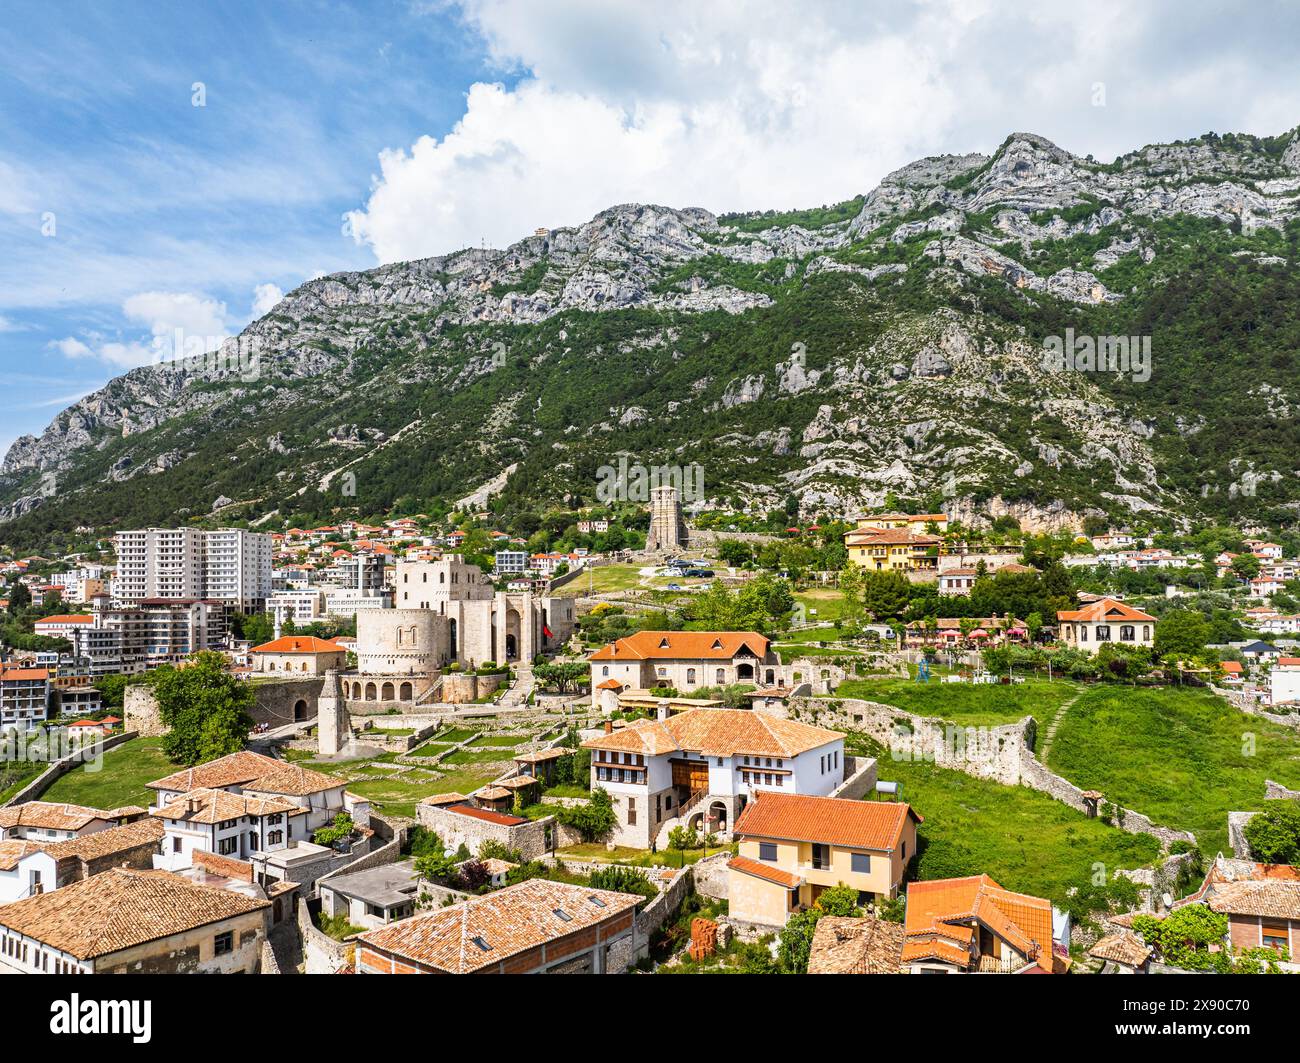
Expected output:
(1284, 681)
(1106, 621)
(700, 768)
(684, 661)
(322, 796)
(51, 821)
(228, 824)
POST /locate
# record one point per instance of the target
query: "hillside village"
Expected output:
(636, 739)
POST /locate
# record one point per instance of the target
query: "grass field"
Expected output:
(604, 579)
(499, 740)
(966, 703)
(15, 774)
(126, 770)
(1026, 840)
(1182, 756)
(398, 795)
(479, 755)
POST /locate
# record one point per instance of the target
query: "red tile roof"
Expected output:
(876, 825)
(1106, 610)
(487, 815)
(764, 871)
(682, 645)
(298, 644)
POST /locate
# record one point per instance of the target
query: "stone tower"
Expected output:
(667, 530)
(332, 729)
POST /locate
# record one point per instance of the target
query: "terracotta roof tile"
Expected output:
(682, 645)
(855, 946)
(1124, 947)
(216, 806)
(1268, 898)
(252, 771)
(101, 843)
(484, 931)
(48, 815)
(298, 644)
(1106, 610)
(876, 825)
(121, 908)
(764, 871)
(718, 733)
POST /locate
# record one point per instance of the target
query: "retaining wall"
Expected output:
(58, 768)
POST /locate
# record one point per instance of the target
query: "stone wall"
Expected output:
(710, 876)
(140, 710)
(59, 768)
(860, 774)
(321, 953)
(275, 701)
(461, 688)
(1002, 754)
(532, 839)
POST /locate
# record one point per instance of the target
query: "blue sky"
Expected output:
(151, 194)
(337, 136)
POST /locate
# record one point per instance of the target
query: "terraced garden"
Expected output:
(967, 704)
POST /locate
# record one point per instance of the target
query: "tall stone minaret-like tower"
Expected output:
(667, 529)
(332, 728)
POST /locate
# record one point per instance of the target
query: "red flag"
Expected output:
(547, 632)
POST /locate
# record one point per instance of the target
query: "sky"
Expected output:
(169, 165)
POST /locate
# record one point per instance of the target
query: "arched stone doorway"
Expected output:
(386, 693)
(744, 670)
(717, 821)
(771, 677)
(404, 692)
(370, 691)
(300, 710)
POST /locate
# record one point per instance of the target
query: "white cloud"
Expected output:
(179, 323)
(265, 296)
(768, 104)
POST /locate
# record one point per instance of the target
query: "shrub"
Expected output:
(622, 879)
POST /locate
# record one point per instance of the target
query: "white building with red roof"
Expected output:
(1105, 621)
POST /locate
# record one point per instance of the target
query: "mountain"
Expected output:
(890, 347)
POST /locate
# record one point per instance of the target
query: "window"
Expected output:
(767, 851)
(631, 811)
(1083, 634)
(860, 863)
(690, 677)
(227, 846)
(223, 943)
(821, 856)
(1274, 933)
(1103, 632)
(721, 676)
(1127, 633)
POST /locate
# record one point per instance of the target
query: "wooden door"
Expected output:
(692, 774)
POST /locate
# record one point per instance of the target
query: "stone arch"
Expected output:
(404, 692)
(386, 692)
(370, 691)
(717, 821)
(771, 677)
(744, 670)
(300, 709)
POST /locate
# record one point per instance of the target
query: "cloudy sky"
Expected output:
(173, 166)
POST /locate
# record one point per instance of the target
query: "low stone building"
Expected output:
(298, 655)
(134, 922)
(535, 927)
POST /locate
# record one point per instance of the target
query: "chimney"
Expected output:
(609, 727)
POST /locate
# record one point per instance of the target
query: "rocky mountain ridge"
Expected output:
(839, 358)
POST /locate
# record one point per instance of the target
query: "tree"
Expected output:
(593, 819)
(885, 595)
(20, 598)
(1245, 566)
(205, 709)
(1182, 633)
(796, 938)
(1183, 937)
(1274, 836)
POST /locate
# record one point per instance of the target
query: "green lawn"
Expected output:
(966, 703)
(399, 796)
(15, 774)
(822, 603)
(456, 734)
(1179, 755)
(604, 579)
(789, 651)
(430, 749)
(500, 740)
(479, 755)
(1026, 840)
(125, 771)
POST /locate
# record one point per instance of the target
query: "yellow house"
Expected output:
(892, 550)
(793, 846)
(913, 522)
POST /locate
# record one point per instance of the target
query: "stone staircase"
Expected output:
(1049, 734)
(518, 692)
(683, 814)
